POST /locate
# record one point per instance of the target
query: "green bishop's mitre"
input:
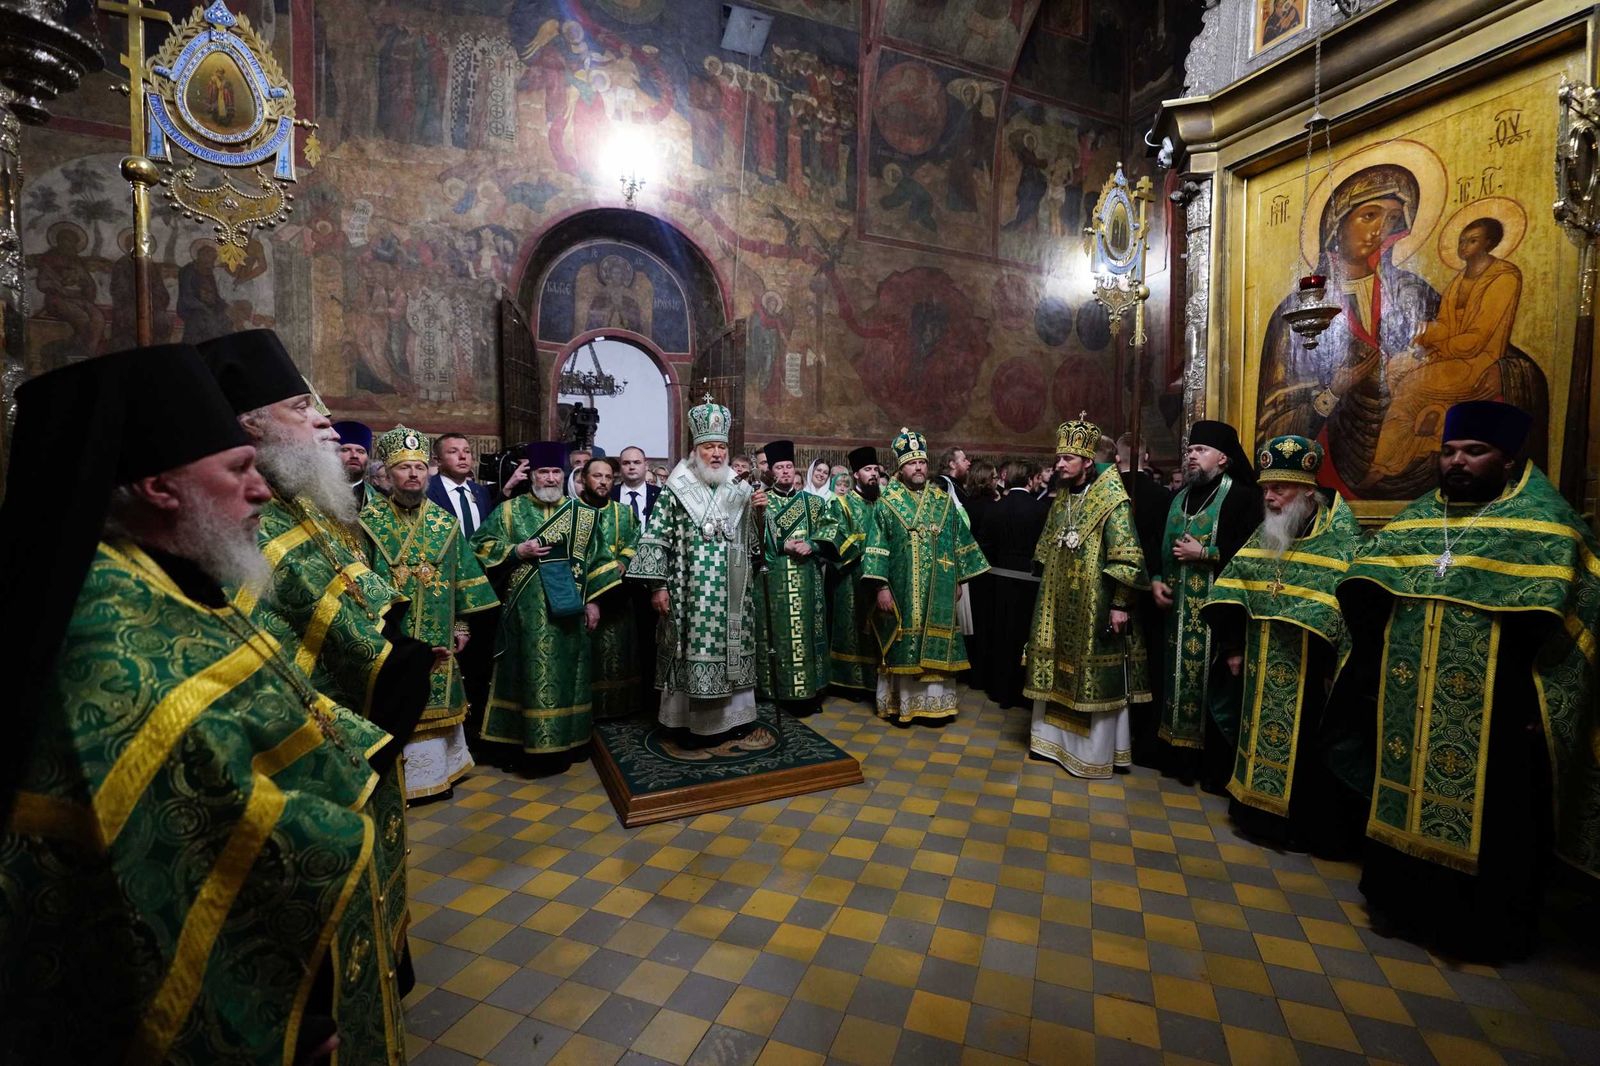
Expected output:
(1290, 458)
(710, 422)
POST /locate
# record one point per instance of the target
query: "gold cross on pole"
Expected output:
(140, 172)
(135, 12)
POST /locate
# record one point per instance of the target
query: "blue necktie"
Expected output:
(633, 499)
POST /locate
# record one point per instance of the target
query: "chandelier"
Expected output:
(1313, 312)
(590, 383)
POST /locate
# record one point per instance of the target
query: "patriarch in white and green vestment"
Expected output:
(1210, 518)
(543, 549)
(791, 595)
(1473, 615)
(697, 554)
(417, 547)
(919, 553)
(1085, 661)
(1277, 625)
(614, 642)
(853, 643)
(189, 857)
(341, 623)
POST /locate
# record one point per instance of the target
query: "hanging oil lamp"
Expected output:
(1312, 312)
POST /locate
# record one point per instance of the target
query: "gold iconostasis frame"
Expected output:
(1422, 98)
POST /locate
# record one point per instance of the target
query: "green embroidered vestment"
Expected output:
(854, 654)
(422, 554)
(791, 601)
(193, 840)
(698, 544)
(1526, 553)
(1288, 602)
(1071, 660)
(615, 642)
(1187, 665)
(540, 698)
(921, 549)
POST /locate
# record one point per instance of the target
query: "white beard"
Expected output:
(709, 477)
(229, 553)
(1280, 530)
(297, 468)
(553, 494)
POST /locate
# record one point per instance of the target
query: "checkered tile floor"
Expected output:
(966, 904)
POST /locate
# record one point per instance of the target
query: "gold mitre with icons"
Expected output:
(401, 445)
(1079, 437)
(1289, 458)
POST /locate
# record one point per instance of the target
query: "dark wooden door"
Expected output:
(520, 412)
(719, 371)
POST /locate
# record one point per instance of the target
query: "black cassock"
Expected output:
(1002, 599)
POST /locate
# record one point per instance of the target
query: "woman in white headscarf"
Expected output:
(817, 478)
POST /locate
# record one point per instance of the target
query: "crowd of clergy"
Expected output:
(242, 654)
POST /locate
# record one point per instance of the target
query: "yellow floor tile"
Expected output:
(1050, 1044)
(1415, 977)
(554, 917)
(1332, 934)
(570, 1005)
(916, 907)
(827, 987)
(1295, 954)
(636, 938)
(795, 942)
(549, 884)
(1185, 996)
(708, 922)
(671, 1037)
(1060, 968)
(1017, 928)
(748, 874)
(854, 848)
(1514, 1029)
(1176, 931)
(479, 977)
(1119, 949)
(773, 906)
(938, 1016)
(727, 961)
(1262, 899)
(1116, 894)
(857, 924)
(1125, 1020)
(964, 890)
(478, 869)
(562, 958)
(1319, 1025)
(612, 871)
(882, 875)
(479, 934)
(896, 966)
(689, 888)
(1246, 1046)
(863, 1042)
(652, 982)
(777, 1054)
(1003, 991)
(829, 889)
(478, 899)
(1166, 881)
(1077, 912)
(956, 946)
(1213, 912)
(1371, 1001)
(479, 1030)
(1245, 974)
(753, 1011)
(584, 1050)
(1460, 1051)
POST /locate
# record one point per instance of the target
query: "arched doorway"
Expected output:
(631, 277)
(644, 413)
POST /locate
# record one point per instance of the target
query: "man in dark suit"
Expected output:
(454, 489)
(1002, 605)
(631, 489)
(355, 441)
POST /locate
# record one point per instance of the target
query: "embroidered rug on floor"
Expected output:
(652, 779)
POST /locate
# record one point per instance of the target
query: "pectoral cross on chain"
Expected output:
(1276, 587)
(135, 12)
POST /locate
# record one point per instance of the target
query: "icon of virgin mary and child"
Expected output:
(1375, 388)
